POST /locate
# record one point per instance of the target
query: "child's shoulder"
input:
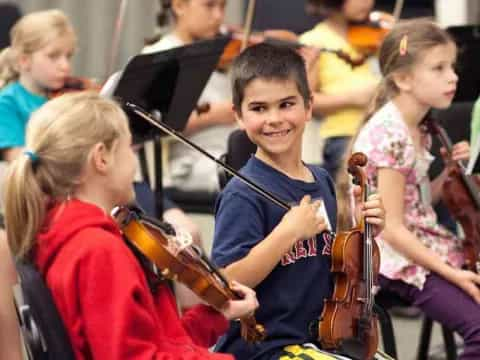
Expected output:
(317, 33)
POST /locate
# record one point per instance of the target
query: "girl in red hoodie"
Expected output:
(78, 165)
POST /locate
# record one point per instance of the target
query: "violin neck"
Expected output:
(367, 259)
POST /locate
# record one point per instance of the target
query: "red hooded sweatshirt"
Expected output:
(103, 297)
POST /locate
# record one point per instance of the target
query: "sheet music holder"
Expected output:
(468, 41)
(169, 82)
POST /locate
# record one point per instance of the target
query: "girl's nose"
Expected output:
(65, 64)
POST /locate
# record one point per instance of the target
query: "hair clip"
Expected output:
(33, 157)
(403, 48)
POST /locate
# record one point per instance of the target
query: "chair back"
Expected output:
(239, 150)
(42, 329)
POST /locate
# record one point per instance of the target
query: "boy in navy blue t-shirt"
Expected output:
(284, 256)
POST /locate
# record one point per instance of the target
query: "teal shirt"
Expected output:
(16, 105)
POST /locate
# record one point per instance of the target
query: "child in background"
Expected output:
(188, 170)
(78, 165)
(341, 92)
(285, 257)
(37, 62)
(421, 260)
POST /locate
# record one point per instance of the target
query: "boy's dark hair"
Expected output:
(268, 62)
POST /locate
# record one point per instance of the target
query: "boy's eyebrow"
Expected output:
(256, 103)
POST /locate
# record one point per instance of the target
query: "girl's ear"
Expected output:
(403, 80)
(101, 158)
(24, 62)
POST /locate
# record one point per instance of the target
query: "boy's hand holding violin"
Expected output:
(302, 221)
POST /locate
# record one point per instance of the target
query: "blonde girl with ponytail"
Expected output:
(421, 261)
(78, 164)
(36, 62)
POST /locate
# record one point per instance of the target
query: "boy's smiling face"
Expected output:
(273, 113)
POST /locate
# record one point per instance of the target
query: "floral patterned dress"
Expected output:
(387, 142)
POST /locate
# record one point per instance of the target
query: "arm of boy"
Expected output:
(460, 151)
(404, 241)
(220, 113)
(300, 222)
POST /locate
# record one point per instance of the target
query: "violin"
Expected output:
(177, 258)
(275, 37)
(368, 36)
(74, 84)
(347, 320)
(461, 196)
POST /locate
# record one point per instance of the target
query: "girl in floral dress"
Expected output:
(421, 261)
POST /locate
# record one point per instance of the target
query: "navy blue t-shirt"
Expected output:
(292, 295)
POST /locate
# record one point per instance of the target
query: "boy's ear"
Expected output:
(238, 118)
(177, 6)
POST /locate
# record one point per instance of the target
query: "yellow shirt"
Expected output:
(336, 76)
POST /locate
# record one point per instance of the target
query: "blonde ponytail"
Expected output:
(8, 72)
(60, 136)
(26, 206)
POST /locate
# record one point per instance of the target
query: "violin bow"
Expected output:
(116, 36)
(248, 23)
(175, 134)
(397, 10)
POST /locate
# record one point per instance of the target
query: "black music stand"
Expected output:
(168, 83)
(468, 41)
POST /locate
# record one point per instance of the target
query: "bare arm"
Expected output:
(300, 222)
(9, 334)
(324, 104)
(404, 241)
(219, 114)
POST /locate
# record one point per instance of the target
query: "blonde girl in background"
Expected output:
(421, 261)
(36, 63)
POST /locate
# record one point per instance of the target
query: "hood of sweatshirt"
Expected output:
(63, 221)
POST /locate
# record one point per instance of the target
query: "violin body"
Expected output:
(73, 84)
(177, 260)
(347, 321)
(341, 319)
(367, 37)
(458, 200)
(461, 195)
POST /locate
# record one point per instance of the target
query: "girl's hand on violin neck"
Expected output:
(460, 151)
(302, 221)
(468, 281)
(236, 309)
(372, 210)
